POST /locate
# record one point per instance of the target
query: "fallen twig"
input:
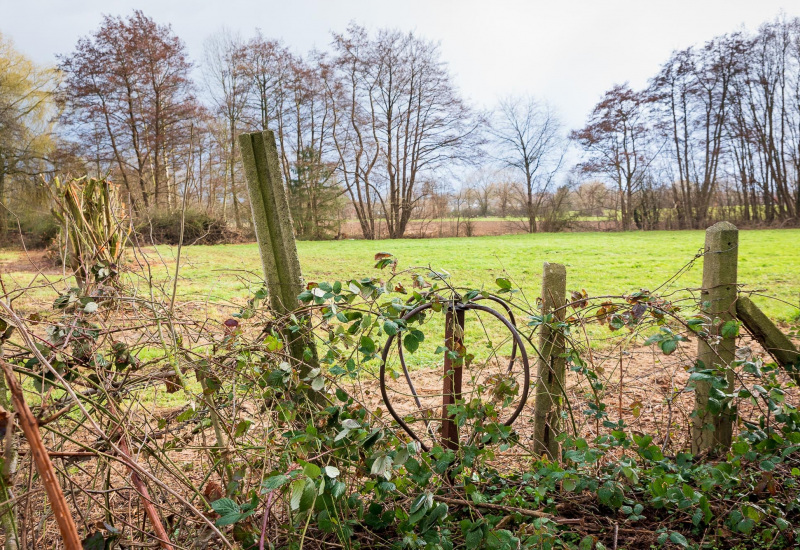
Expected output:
(66, 525)
(509, 509)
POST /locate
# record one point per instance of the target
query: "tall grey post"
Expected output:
(552, 364)
(273, 225)
(712, 427)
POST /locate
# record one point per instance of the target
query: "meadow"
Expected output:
(601, 263)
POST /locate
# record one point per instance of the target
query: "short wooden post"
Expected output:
(453, 373)
(273, 225)
(712, 429)
(552, 364)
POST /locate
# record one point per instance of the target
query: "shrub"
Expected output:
(36, 229)
(200, 227)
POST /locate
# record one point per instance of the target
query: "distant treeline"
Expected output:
(373, 129)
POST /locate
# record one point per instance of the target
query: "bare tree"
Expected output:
(127, 92)
(694, 91)
(397, 117)
(614, 140)
(481, 190)
(529, 140)
(228, 87)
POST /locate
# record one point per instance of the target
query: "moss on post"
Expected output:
(712, 429)
(552, 364)
(273, 226)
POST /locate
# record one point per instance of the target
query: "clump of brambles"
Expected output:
(129, 420)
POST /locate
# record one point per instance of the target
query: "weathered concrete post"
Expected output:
(552, 364)
(712, 428)
(273, 225)
(768, 335)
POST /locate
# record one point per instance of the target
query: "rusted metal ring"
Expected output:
(518, 343)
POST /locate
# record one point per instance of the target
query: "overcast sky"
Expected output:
(566, 51)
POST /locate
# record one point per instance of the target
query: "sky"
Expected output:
(567, 52)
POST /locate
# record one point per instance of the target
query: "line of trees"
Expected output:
(717, 130)
(375, 130)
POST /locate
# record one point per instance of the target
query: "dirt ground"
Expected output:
(642, 386)
(419, 229)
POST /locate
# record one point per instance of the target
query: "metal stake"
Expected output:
(453, 372)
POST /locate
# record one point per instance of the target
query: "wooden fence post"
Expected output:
(712, 427)
(273, 225)
(552, 364)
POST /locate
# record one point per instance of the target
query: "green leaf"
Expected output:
(225, 506)
(95, 541)
(668, 346)
(338, 489)
(474, 536)
(332, 471)
(298, 487)
(390, 328)
(423, 499)
(308, 497)
(367, 345)
(751, 512)
(678, 539)
(230, 519)
(382, 467)
(312, 470)
(730, 329)
(275, 482)
(411, 343)
(740, 447)
(350, 424)
(241, 428)
(503, 283)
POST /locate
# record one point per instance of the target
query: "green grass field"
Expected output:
(602, 263)
(218, 279)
